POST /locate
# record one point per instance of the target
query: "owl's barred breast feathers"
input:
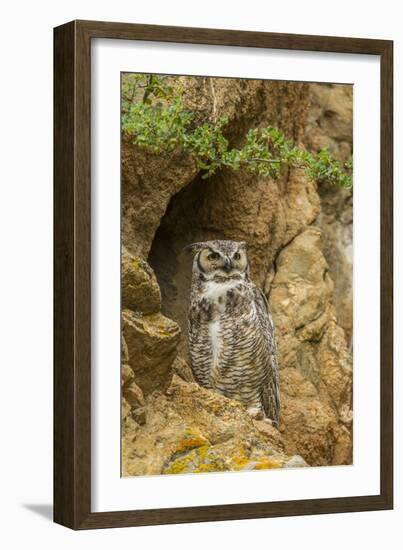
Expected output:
(231, 334)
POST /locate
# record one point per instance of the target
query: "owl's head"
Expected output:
(220, 259)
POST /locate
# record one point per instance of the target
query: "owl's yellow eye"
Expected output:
(237, 256)
(213, 256)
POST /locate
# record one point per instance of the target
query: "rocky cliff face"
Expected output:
(170, 424)
(330, 124)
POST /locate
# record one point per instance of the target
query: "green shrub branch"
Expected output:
(154, 114)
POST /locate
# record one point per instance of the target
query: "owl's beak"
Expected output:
(227, 265)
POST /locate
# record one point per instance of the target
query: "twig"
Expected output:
(269, 161)
(147, 90)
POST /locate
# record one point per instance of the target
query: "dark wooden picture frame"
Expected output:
(72, 268)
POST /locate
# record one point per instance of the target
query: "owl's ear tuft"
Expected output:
(194, 247)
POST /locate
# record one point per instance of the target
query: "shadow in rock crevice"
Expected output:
(180, 226)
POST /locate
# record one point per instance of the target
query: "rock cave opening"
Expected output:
(179, 226)
(229, 205)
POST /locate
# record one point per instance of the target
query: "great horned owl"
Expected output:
(231, 334)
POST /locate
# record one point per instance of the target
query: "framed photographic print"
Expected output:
(223, 298)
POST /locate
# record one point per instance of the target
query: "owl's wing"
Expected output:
(199, 350)
(270, 392)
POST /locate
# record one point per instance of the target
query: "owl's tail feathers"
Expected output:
(271, 402)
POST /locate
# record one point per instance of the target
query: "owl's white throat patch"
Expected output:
(217, 292)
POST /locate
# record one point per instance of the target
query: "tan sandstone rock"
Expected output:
(148, 183)
(127, 375)
(316, 374)
(134, 395)
(140, 290)
(330, 124)
(190, 429)
(152, 342)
